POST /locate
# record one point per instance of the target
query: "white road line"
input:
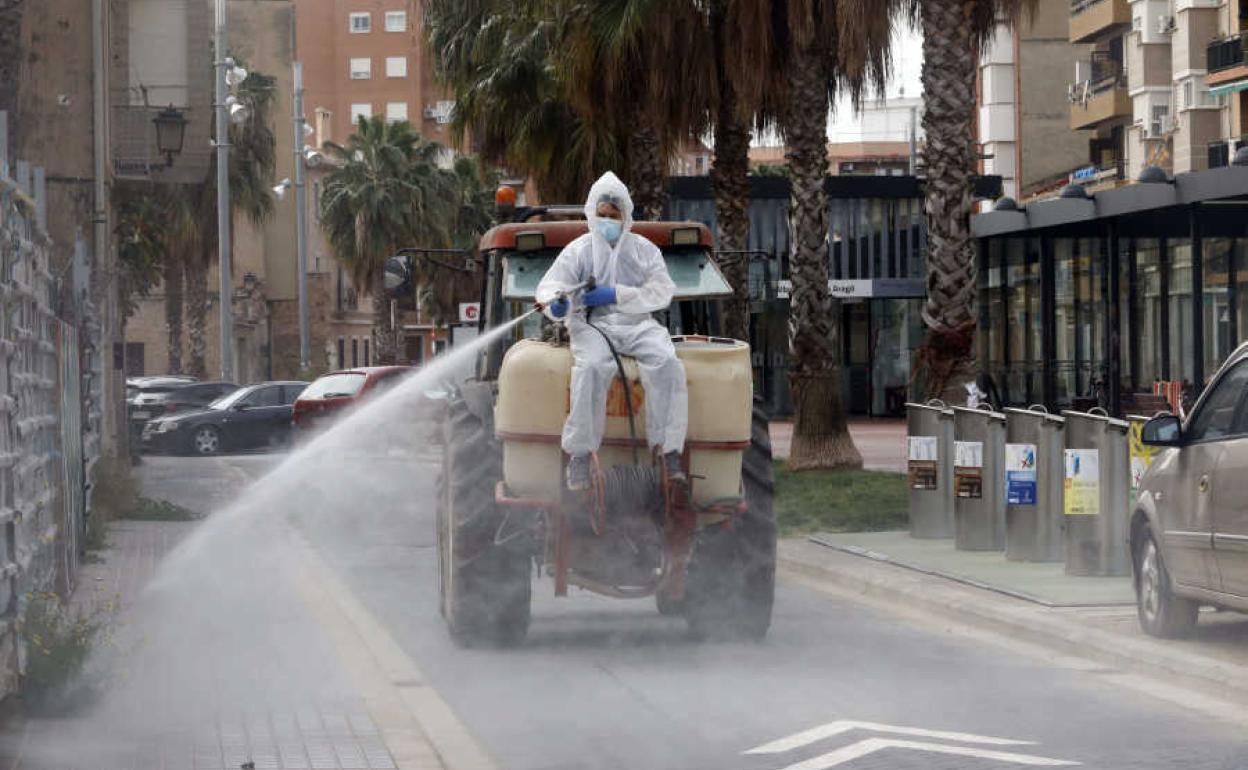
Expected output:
(807, 737)
(872, 745)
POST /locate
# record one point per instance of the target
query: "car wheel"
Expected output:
(1161, 612)
(206, 440)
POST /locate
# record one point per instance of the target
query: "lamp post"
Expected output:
(170, 133)
(301, 222)
(223, 64)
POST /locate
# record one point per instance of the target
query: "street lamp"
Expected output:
(170, 133)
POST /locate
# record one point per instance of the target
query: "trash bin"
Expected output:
(1097, 480)
(978, 479)
(929, 439)
(1033, 485)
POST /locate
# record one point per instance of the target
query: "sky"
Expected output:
(907, 63)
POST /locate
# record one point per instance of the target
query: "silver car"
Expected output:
(1189, 530)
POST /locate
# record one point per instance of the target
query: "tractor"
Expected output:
(704, 547)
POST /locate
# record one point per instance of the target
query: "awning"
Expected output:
(1229, 88)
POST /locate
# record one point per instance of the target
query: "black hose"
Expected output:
(619, 365)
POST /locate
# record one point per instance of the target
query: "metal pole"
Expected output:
(914, 140)
(223, 196)
(301, 223)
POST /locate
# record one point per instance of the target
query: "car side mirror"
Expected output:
(240, 407)
(1163, 430)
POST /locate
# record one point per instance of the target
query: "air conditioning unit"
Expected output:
(431, 113)
(1166, 24)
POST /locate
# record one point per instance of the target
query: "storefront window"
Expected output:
(1090, 318)
(1147, 321)
(991, 335)
(1064, 319)
(1216, 310)
(1182, 356)
(1023, 333)
(1125, 332)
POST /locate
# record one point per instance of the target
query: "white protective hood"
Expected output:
(608, 188)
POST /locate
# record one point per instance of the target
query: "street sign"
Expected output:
(862, 748)
(469, 312)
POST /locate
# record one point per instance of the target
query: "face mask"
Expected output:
(610, 229)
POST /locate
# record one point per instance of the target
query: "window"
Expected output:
(291, 392)
(1217, 413)
(361, 23)
(366, 363)
(355, 351)
(396, 111)
(396, 66)
(342, 348)
(1158, 126)
(1187, 93)
(361, 69)
(270, 396)
(360, 111)
(396, 21)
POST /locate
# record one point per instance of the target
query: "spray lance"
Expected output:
(588, 286)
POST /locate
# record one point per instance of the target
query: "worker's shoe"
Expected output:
(578, 472)
(671, 463)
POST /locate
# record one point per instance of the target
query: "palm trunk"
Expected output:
(385, 340)
(946, 358)
(730, 182)
(172, 277)
(197, 313)
(820, 435)
(647, 173)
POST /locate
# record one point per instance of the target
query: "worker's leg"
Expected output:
(592, 372)
(663, 377)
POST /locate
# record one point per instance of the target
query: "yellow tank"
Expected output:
(530, 421)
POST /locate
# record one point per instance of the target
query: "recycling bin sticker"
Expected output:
(968, 469)
(1082, 483)
(924, 452)
(1142, 455)
(1020, 474)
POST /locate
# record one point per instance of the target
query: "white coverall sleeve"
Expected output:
(656, 292)
(564, 273)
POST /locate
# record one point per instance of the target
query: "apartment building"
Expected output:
(1161, 84)
(1023, 121)
(365, 58)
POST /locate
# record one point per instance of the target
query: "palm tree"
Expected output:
(496, 58)
(954, 32)
(253, 158)
(387, 192)
(141, 230)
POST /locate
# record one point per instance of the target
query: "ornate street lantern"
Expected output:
(170, 133)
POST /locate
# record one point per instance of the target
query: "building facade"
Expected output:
(1023, 120)
(1162, 84)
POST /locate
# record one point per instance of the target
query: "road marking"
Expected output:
(822, 732)
(871, 745)
(420, 729)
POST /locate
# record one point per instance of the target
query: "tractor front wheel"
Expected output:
(730, 583)
(485, 584)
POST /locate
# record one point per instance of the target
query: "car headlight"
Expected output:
(167, 425)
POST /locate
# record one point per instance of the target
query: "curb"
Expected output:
(1015, 619)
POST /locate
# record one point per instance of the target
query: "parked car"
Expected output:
(190, 397)
(1189, 529)
(143, 392)
(332, 393)
(253, 417)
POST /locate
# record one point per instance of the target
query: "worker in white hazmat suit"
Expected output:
(631, 283)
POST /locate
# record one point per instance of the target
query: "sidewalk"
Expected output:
(1214, 661)
(330, 732)
(882, 442)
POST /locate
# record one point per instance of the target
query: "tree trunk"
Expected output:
(172, 274)
(946, 359)
(385, 340)
(647, 174)
(730, 182)
(820, 434)
(197, 313)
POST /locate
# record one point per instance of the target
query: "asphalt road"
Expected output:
(609, 684)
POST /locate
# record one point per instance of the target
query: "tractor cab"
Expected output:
(518, 254)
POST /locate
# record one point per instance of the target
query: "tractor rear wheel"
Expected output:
(730, 583)
(485, 585)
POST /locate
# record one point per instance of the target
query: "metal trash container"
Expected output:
(929, 440)
(1097, 494)
(1033, 485)
(979, 479)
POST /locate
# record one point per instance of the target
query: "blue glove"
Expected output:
(559, 308)
(599, 296)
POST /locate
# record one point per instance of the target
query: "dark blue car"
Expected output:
(254, 417)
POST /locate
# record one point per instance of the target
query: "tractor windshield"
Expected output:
(692, 269)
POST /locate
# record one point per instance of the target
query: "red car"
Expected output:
(332, 393)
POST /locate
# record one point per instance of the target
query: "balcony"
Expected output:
(1090, 20)
(1099, 93)
(1227, 60)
